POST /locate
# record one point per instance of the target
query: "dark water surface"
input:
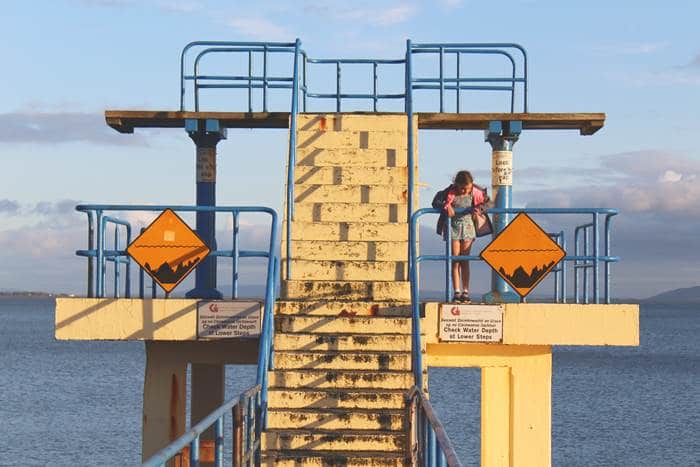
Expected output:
(79, 403)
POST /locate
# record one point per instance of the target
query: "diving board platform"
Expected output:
(125, 121)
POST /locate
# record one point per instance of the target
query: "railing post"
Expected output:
(91, 246)
(235, 252)
(219, 442)
(292, 154)
(194, 452)
(502, 136)
(206, 135)
(100, 256)
(237, 428)
(116, 261)
(586, 264)
(409, 146)
(596, 254)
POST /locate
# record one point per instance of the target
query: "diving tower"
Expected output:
(343, 341)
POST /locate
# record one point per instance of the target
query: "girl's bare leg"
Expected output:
(456, 248)
(465, 249)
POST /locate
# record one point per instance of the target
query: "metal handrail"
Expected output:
(248, 47)
(338, 95)
(588, 260)
(244, 448)
(100, 252)
(429, 444)
(458, 49)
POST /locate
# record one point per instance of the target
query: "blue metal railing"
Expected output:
(375, 96)
(588, 261)
(248, 82)
(430, 445)
(515, 55)
(97, 275)
(443, 83)
(246, 424)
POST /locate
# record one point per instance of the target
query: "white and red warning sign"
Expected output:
(471, 323)
(228, 319)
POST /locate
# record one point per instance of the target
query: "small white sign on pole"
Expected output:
(471, 323)
(230, 319)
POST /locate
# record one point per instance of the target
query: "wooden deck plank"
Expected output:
(124, 121)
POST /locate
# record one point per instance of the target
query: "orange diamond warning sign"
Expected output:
(168, 250)
(522, 254)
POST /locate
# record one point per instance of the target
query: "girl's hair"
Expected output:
(463, 177)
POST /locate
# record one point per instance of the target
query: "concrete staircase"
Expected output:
(343, 328)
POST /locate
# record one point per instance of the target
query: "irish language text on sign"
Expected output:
(471, 323)
(222, 320)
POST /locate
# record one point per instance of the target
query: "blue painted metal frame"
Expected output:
(441, 83)
(121, 256)
(585, 260)
(251, 81)
(432, 446)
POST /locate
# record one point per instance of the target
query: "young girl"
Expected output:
(460, 195)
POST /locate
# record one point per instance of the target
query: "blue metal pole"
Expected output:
(116, 261)
(502, 136)
(293, 153)
(206, 135)
(219, 442)
(235, 252)
(416, 358)
(563, 272)
(576, 263)
(432, 446)
(449, 294)
(586, 264)
(596, 254)
(194, 452)
(409, 145)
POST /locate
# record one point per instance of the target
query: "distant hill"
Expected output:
(688, 295)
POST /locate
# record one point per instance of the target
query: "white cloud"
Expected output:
(180, 6)
(61, 127)
(365, 13)
(641, 48)
(670, 176)
(452, 3)
(393, 15)
(260, 29)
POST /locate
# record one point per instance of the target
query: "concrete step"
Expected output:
(352, 122)
(346, 290)
(343, 325)
(334, 157)
(339, 250)
(303, 269)
(352, 139)
(351, 212)
(371, 399)
(336, 419)
(385, 441)
(366, 194)
(343, 342)
(336, 308)
(305, 174)
(392, 361)
(300, 458)
(347, 231)
(324, 379)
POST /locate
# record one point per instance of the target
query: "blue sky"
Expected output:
(66, 61)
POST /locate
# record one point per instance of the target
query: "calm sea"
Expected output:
(79, 403)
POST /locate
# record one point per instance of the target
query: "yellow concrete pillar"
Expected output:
(531, 408)
(495, 416)
(164, 393)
